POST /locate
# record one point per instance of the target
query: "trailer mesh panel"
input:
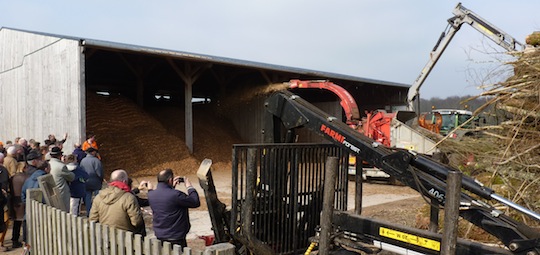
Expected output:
(278, 189)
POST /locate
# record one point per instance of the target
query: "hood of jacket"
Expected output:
(111, 194)
(71, 166)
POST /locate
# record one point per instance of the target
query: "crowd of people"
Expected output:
(79, 178)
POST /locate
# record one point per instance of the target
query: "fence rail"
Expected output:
(53, 231)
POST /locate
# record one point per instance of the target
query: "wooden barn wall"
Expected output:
(332, 108)
(250, 116)
(41, 87)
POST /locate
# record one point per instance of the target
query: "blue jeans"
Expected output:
(88, 200)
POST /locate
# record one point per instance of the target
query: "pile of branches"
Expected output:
(507, 154)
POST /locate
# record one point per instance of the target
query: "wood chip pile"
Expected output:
(144, 142)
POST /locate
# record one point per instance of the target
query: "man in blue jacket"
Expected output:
(170, 208)
(34, 160)
(93, 167)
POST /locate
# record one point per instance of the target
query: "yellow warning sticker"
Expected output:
(411, 239)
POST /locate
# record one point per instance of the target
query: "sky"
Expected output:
(387, 40)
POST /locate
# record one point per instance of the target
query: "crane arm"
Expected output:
(461, 16)
(421, 173)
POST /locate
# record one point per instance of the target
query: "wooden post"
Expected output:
(251, 179)
(358, 180)
(451, 213)
(188, 116)
(32, 195)
(434, 216)
(328, 204)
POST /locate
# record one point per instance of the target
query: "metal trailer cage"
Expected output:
(278, 192)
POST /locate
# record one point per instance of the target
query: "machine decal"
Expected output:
(436, 194)
(330, 132)
(411, 239)
(339, 137)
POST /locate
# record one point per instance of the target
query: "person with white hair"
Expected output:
(78, 152)
(10, 161)
(117, 207)
(25, 149)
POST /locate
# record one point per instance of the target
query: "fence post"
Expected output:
(42, 231)
(83, 236)
(359, 183)
(434, 216)
(177, 249)
(31, 194)
(138, 244)
(451, 213)
(328, 204)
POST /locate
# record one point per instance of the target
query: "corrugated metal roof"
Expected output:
(212, 59)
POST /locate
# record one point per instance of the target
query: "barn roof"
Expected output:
(214, 59)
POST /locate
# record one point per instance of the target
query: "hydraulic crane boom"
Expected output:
(419, 172)
(461, 16)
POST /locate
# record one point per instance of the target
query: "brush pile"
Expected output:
(507, 155)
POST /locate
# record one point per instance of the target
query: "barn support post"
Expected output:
(189, 75)
(188, 91)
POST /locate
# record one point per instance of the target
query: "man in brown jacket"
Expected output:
(10, 162)
(116, 206)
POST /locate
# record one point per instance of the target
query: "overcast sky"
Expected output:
(387, 40)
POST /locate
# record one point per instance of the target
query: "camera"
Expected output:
(178, 180)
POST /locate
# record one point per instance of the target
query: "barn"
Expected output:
(46, 81)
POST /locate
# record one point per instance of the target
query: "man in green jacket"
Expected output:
(117, 207)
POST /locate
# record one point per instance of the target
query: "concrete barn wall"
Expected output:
(41, 87)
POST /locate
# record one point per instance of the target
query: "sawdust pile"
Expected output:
(146, 142)
(507, 155)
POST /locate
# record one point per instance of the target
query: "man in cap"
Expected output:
(34, 159)
(61, 175)
(92, 166)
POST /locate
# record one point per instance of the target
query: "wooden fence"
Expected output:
(53, 231)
